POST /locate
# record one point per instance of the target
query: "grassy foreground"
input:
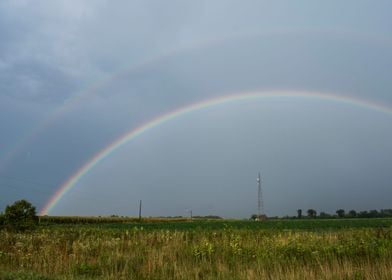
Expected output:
(324, 249)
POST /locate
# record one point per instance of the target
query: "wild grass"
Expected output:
(200, 252)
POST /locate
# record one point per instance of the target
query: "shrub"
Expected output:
(21, 215)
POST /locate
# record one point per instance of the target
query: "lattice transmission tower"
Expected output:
(260, 205)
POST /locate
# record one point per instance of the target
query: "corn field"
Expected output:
(135, 251)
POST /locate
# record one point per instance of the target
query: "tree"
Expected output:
(386, 213)
(340, 213)
(373, 214)
(324, 215)
(299, 212)
(253, 217)
(21, 215)
(352, 213)
(256, 217)
(312, 213)
(363, 214)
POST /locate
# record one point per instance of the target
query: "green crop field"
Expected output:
(199, 249)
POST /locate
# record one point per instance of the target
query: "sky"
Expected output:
(77, 75)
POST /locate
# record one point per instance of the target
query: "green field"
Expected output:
(199, 249)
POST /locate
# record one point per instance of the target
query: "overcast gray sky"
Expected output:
(76, 75)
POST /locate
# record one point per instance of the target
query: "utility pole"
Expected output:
(190, 213)
(140, 210)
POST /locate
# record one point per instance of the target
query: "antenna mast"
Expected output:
(260, 206)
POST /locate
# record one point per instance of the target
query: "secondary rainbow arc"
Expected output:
(57, 113)
(139, 130)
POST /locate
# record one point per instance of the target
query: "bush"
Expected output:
(21, 215)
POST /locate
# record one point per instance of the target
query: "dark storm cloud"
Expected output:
(52, 52)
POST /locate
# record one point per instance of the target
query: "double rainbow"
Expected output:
(136, 132)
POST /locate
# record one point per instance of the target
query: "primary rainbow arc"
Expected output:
(127, 137)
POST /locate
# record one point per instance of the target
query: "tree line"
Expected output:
(341, 213)
(22, 215)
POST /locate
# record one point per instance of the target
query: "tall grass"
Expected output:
(228, 253)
